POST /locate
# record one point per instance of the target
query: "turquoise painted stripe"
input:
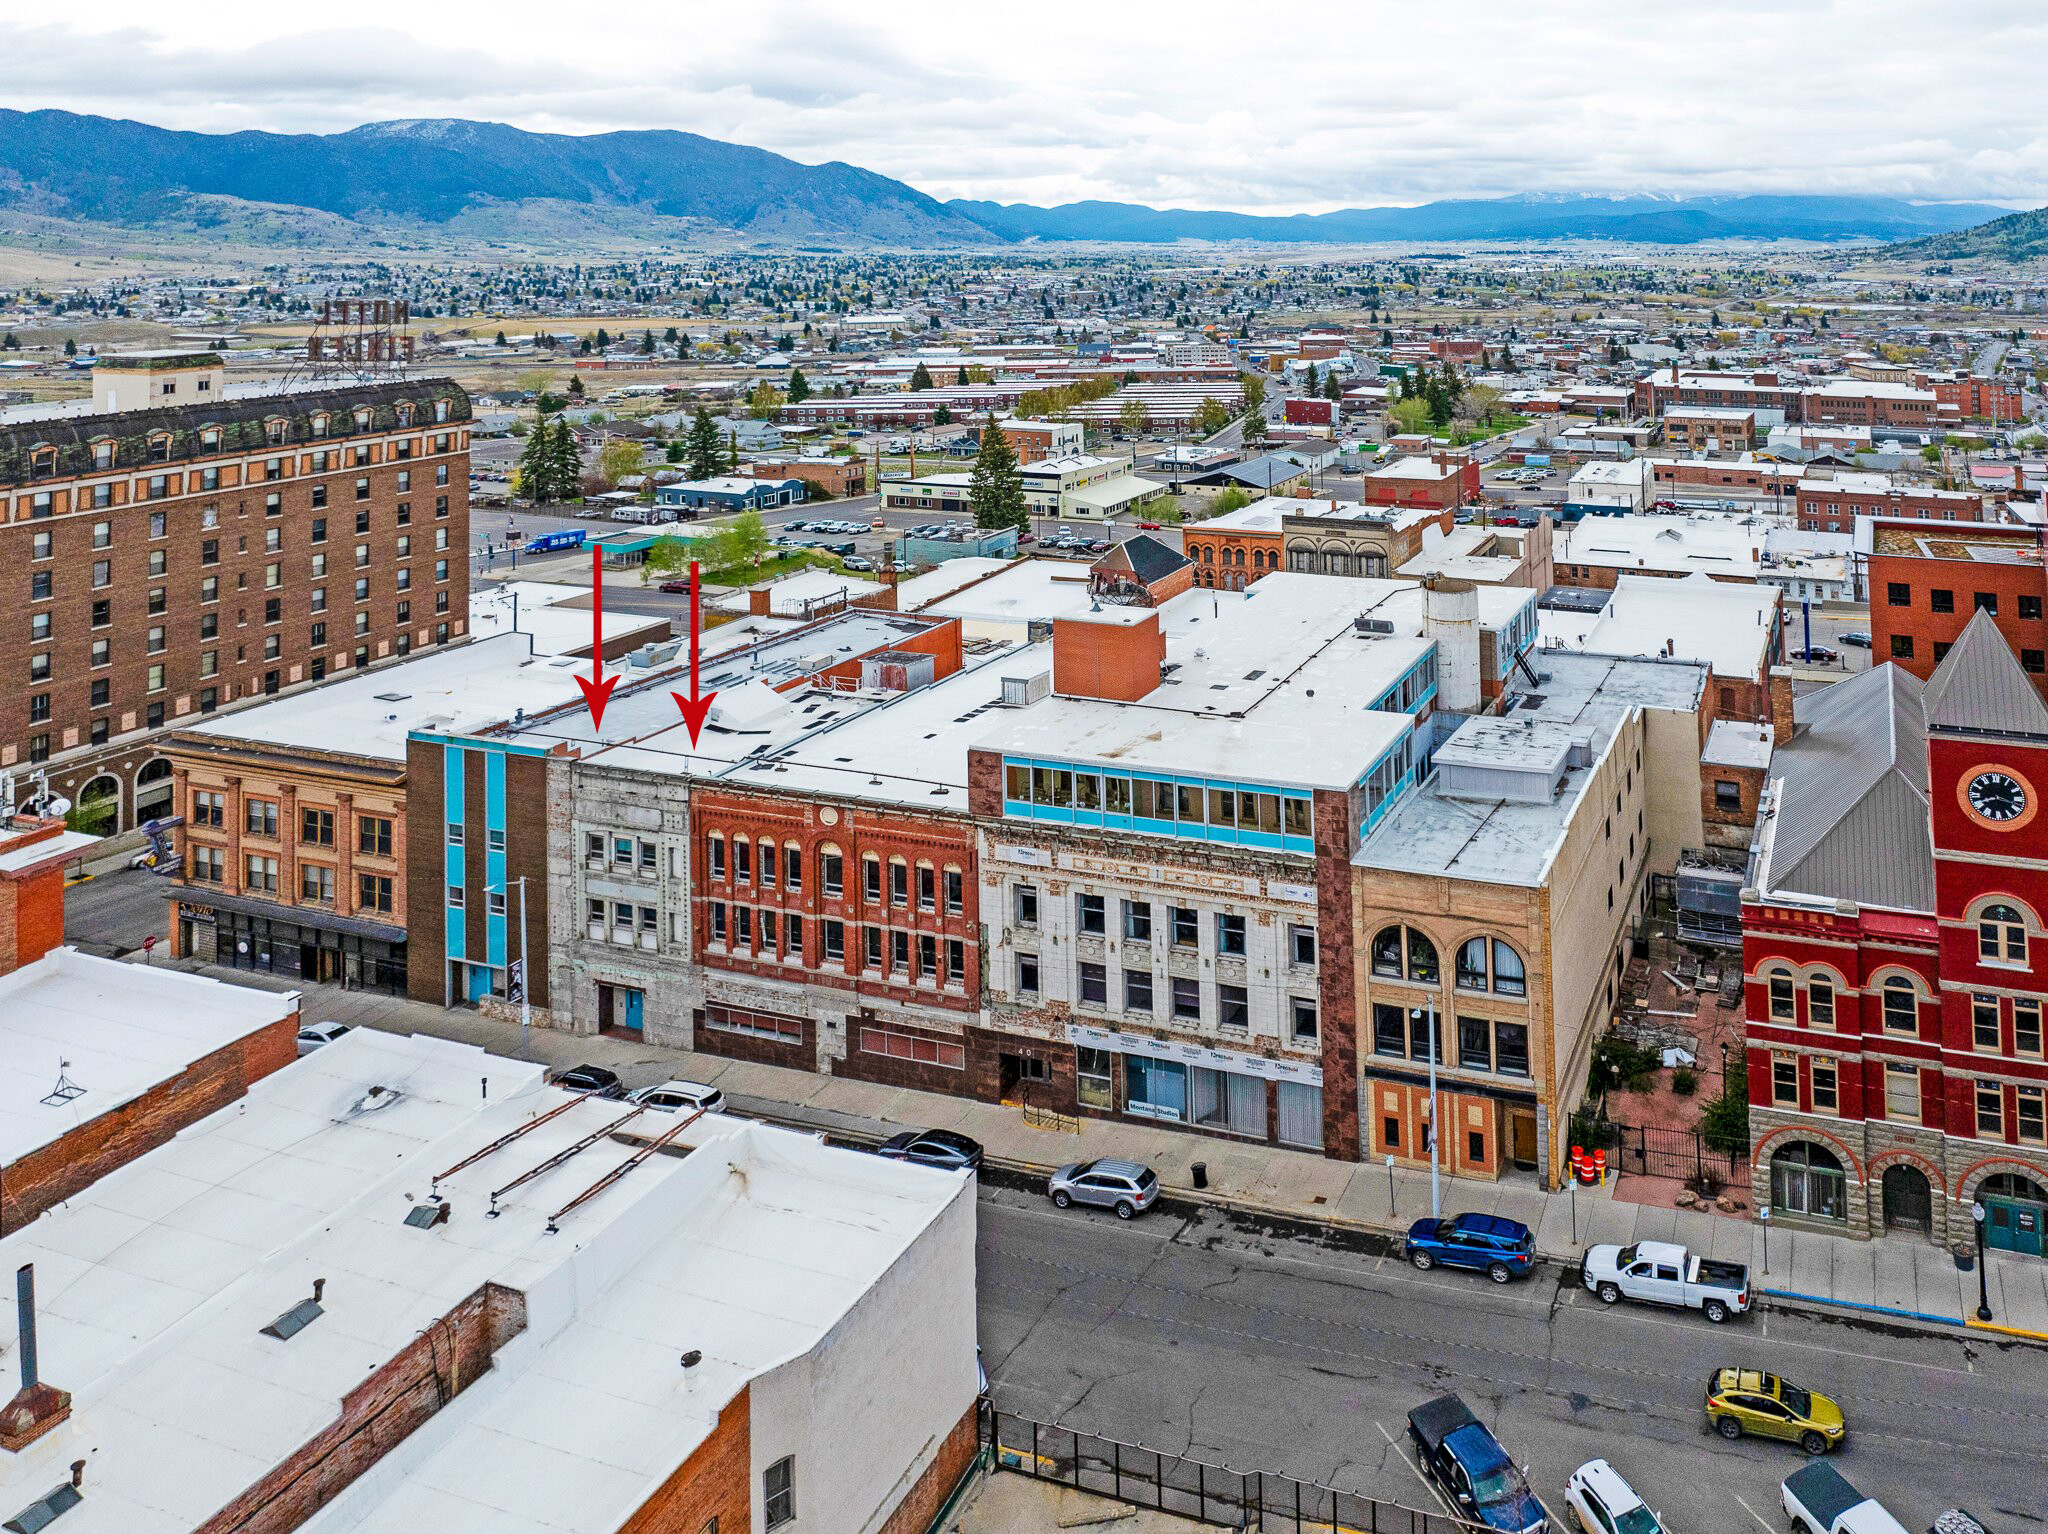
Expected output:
(494, 861)
(453, 924)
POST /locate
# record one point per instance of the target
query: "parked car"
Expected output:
(855, 562)
(796, 527)
(594, 1079)
(1124, 1186)
(314, 1036)
(678, 1097)
(1855, 637)
(1502, 1249)
(675, 586)
(1819, 1500)
(1750, 1401)
(941, 1148)
(1817, 655)
(1660, 1273)
(1457, 1452)
(1023, 538)
(1149, 527)
(1606, 1504)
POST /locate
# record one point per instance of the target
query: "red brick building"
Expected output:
(1896, 956)
(1976, 399)
(833, 476)
(1833, 505)
(1867, 402)
(178, 548)
(1446, 480)
(1926, 584)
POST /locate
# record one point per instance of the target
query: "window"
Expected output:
(208, 808)
(1985, 601)
(1404, 952)
(209, 865)
(316, 883)
(2001, 935)
(1901, 1006)
(871, 878)
(1820, 1002)
(778, 1492)
(1389, 1030)
(835, 941)
(1230, 934)
(1990, 1111)
(2031, 1126)
(259, 874)
(1094, 985)
(899, 882)
(1027, 905)
(1825, 1092)
(1902, 647)
(956, 893)
(2035, 661)
(1027, 972)
(718, 921)
(899, 951)
(1782, 1008)
(1301, 946)
(714, 856)
(1089, 914)
(1941, 601)
(1092, 1085)
(373, 892)
(316, 827)
(2026, 1026)
(1475, 1044)
(1511, 1049)
(793, 866)
(1187, 998)
(906, 1046)
(1303, 1024)
(1984, 1029)
(1137, 990)
(831, 872)
(1186, 927)
(956, 961)
(260, 817)
(927, 887)
(373, 836)
(1902, 1093)
(1233, 1007)
(1785, 1080)
(742, 860)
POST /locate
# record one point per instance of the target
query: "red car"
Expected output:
(681, 586)
(1150, 527)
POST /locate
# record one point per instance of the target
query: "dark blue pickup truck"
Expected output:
(1461, 1456)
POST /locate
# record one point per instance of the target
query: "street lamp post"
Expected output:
(1436, 1202)
(1983, 1280)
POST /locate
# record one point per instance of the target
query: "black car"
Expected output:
(941, 1148)
(594, 1079)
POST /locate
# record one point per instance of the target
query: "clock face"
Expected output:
(1998, 797)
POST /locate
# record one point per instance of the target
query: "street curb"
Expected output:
(2020, 1332)
(1806, 1300)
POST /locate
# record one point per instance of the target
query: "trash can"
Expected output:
(1201, 1173)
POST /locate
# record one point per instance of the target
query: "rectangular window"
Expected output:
(1785, 1081)
(899, 951)
(373, 892)
(1820, 1003)
(1027, 905)
(1902, 1093)
(906, 1046)
(1985, 601)
(1301, 946)
(1027, 974)
(899, 882)
(1094, 984)
(1093, 1087)
(955, 891)
(260, 817)
(1233, 1007)
(1137, 990)
(2030, 1126)
(778, 1493)
(1825, 1091)
(832, 874)
(1186, 927)
(1511, 1049)
(316, 883)
(1783, 1008)
(718, 921)
(835, 941)
(2030, 609)
(956, 960)
(1990, 1111)
(2026, 1026)
(1138, 921)
(793, 866)
(927, 887)
(1902, 647)
(373, 835)
(1941, 601)
(1304, 1023)
(742, 860)
(1187, 998)
(714, 856)
(316, 827)
(1984, 1030)
(1230, 934)
(259, 874)
(1089, 914)
(1475, 1044)
(742, 926)
(871, 878)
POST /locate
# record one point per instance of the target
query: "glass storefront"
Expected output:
(1155, 1089)
(1808, 1180)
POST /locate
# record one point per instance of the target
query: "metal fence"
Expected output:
(1231, 1499)
(1650, 1150)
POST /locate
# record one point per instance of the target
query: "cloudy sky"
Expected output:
(1258, 105)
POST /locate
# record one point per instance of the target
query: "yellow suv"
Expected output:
(1749, 1401)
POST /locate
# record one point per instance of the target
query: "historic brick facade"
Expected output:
(1927, 583)
(173, 560)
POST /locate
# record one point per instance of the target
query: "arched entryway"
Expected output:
(1808, 1180)
(1908, 1199)
(97, 811)
(2015, 1213)
(153, 790)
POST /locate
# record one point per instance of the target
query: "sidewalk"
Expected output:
(1897, 1279)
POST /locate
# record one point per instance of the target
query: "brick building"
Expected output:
(834, 477)
(181, 544)
(1708, 429)
(1976, 399)
(1927, 583)
(1443, 481)
(1866, 402)
(1832, 505)
(1764, 392)
(1331, 537)
(1237, 548)
(1895, 957)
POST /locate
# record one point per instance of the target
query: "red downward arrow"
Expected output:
(597, 690)
(697, 705)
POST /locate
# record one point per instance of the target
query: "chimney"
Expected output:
(1783, 725)
(32, 889)
(36, 1407)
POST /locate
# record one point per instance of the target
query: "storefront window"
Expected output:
(1155, 1088)
(1808, 1180)
(1225, 1100)
(1092, 1078)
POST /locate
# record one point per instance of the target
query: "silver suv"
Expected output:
(1124, 1186)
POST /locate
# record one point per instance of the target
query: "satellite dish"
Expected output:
(57, 807)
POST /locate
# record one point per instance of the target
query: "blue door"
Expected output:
(479, 982)
(631, 999)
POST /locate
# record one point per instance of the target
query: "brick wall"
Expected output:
(425, 877)
(712, 1488)
(914, 1514)
(31, 917)
(1336, 966)
(1106, 660)
(862, 1064)
(797, 1054)
(54, 1172)
(440, 1363)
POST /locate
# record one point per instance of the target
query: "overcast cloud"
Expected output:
(1264, 107)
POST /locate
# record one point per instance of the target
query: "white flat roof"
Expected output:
(155, 1283)
(1727, 624)
(555, 614)
(1720, 545)
(115, 1029)
(1259, 517)
(1029, 589)
(1737, 743)
(371, 713)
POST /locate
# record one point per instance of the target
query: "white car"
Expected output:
(314, 1036)
(678, 1097)
(1604, 1503)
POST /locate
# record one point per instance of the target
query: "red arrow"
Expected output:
(697, 705)
(597, 690)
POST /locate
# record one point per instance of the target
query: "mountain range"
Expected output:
(458, 177)
(2015, 237)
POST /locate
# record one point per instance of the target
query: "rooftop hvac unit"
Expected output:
(1020, 691)
(1364, 623)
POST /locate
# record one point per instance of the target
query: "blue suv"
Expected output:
(1502, 1249)
(1461, 1456)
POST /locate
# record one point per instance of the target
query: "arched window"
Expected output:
(318, 422)
(1471, 970)
(742, 860)
(1403, 953)
(1509, 978)
(1778, 981)
(2001, 934)
(768, 854)
(1901, 1005)
(1807, 1179)
(1506, 974)
(1820, 1002)
(714, 854)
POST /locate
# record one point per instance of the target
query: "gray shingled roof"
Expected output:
(1852, 819)
(1979, 686)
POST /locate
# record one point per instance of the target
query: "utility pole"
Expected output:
(525, 979)
(1436, 1200)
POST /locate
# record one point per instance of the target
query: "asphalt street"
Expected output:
(1211, 1338)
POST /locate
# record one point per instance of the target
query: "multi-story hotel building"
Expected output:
(1895, 948)
(178, 546)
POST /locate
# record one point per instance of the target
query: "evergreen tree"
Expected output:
(921, 378)
(701, 445)
(1332, 390)
(647, 343)
(962, 378)
(995, 489)
(70, 347)
(731, 464)
(535, 475)
(1309, 382)
(799, 386)
(565, 462)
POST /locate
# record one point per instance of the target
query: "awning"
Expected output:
(298, 915)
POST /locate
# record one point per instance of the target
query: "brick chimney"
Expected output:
(32, 858)
(36, 1407)
(1115, 653)
(1783, 726)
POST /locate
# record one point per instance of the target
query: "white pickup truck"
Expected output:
(1819, 1500)
(1660, 1273)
